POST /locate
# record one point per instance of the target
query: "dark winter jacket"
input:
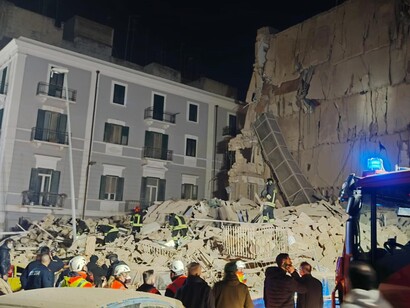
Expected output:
(40, 277)
(55, 265)
(313, 298)
(195, 293)
(231, 293)
(4, 259)
(97, 271)
(149, 288)
(279, 288)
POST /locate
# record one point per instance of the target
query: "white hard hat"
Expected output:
(240, 264)
(77, 263)
(178, 267)
(120, 269)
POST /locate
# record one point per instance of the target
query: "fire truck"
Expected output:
(377, 200)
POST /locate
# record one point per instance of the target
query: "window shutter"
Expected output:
(120, 189)
(124, 133)
(143, 190)
(164, 147)
(161, 190)
(195, 192)
(1, 117)
(107, 132)
(102, 188)
(62, 129)
(34, 186)
(41, 114)
(55, 181)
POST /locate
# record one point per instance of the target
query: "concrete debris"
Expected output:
(308, 232)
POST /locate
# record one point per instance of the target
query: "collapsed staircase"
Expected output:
(292, 183)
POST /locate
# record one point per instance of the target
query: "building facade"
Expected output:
(136, 138)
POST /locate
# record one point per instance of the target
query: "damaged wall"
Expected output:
(338, 84)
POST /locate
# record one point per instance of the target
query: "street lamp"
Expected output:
(62, 70)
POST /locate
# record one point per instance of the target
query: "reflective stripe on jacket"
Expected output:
(113, 229)
(136, 220)
(181, 223)
(76, 282)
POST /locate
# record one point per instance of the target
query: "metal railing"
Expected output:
(157, 153)
(55, 91)
(150, 113)
(43, 198)
(254, 241)
(49, 135)
(230, 131)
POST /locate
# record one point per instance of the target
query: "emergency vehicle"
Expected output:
(377, 200)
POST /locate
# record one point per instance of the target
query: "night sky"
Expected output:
(211, 38)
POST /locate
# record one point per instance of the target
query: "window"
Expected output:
(111, 187)
(192, 113)
(56, 84)
(119, 93)
(232, 125)
(156, 146)
(158, 106)
(43, 187)
(190, 147)
(3, 81)
(152, 189)
(1, 118)
(117, 134)
(51, 127)
(189, 191)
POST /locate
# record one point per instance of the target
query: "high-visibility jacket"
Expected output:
(117, 284)
(76, 282)
(136, 220)
(113, 229)
(180, 223)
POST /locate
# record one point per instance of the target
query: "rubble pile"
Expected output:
(218, 231)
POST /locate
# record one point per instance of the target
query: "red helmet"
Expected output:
(137, 209)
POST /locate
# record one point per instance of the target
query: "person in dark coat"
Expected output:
(229, 292)
(149, 280)
(5, 263)
(54, 266)
(195, 293)
(114, 261)
(279, 288)
(40, 276)
(98, 272)
(313, 298)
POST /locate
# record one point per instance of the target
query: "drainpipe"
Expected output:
(215, 146)
(89, 162)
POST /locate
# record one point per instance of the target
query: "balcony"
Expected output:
(51, 90)
(230, 131)
(157, 153)
(43, 198)
(150, 113)
(48, 135)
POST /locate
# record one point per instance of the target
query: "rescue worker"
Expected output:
(239, 273)
(114, 261)
(149, 280)
(120, 278)
(110, 232)
(136, 220)
(179, 228)
(5, 263)
(77, 277)
(269, 194)
(178, 278)
(40, 276)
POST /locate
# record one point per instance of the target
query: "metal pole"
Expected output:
(70, 150)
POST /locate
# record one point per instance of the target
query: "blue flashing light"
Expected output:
(375, 164)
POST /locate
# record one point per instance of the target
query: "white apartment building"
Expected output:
(136, 138)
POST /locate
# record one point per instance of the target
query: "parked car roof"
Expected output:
(86, 297)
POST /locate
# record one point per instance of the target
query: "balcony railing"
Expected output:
(53, 90)
(3, 88)
(43, 198)
(43, 134)
(230, 131)
(150, 113)
(157, 153)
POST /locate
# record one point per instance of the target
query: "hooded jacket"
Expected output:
(231, 293)
(195, 293)
(358, 298)
(279, 288)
